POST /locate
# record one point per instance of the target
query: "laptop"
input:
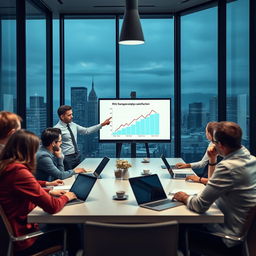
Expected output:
(149, 193)
(99, 168)
(175, 172)
(82, 187)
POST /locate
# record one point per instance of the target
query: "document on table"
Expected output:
(62, 187)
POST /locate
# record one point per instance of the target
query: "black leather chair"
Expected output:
(7, 238)
(131, 239)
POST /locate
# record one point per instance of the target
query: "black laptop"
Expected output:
(182, 174)
(82, 186)
(150, 194)
(99, 168)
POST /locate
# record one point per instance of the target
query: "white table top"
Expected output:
(100, 206)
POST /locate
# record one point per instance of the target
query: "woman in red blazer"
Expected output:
(20, 192)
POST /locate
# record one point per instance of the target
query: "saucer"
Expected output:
(120, 198)
(145, 162)
(142, 173)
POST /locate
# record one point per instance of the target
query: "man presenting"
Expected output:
(231, 184)
(69, 131)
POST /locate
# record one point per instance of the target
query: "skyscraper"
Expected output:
(80, 113)
(195, 115)
(213, 109)
(93, 144)
(36, 115)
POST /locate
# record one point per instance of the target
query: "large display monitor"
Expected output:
(134, 120)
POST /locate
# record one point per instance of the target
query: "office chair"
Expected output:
(7, 238)
(131, 239)
(246, 243)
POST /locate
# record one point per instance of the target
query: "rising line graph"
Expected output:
(135, 119)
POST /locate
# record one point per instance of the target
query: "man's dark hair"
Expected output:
(63, 109)
(229, 134)
(49, 135)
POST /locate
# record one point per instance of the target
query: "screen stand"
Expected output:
(118, 149)
(147, 150)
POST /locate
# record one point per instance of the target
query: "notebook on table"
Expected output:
(175, 172)
(99, 168)
(82, 187)
(149, 193)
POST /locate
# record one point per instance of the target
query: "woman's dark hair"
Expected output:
(63, 109)
(20, 148)
(50, 135)
(210, 127)
(228, 134)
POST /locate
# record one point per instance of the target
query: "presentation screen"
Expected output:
(135, 120)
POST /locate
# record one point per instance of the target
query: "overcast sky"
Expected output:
(146, 69)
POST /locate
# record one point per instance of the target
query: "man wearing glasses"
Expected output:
(50, 159)
(231, 184)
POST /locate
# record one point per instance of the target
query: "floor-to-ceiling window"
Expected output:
(238, 65)
(8, 69)
(198, 80)
(90, 73)
(147, 69)
(56, 70)
(35, 69)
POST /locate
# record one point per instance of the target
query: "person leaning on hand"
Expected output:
(20, 192)
(231, 184)
(50, 159)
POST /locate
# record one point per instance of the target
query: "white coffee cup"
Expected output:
(120, 194)
(146, 171)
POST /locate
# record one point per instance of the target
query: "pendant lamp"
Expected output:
(131, 33)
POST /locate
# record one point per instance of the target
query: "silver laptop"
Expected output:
(99, 168)
(181, 174)
(149, 193)
(82, 187)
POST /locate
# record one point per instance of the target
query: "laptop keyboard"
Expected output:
(160, 203)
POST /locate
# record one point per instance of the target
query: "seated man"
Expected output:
(231, 184)
(50, 159)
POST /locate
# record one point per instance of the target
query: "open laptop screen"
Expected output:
(82, 186)
(101, 166)
(147, 189)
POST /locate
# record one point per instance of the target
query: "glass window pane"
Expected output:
(56, 70)
(36, 69)
(89, 75)
(238, 65)
(8, 72)
(198, 81)
(147, 69)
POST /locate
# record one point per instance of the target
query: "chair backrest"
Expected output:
(131, 239)
(250, 229)
(5, 233)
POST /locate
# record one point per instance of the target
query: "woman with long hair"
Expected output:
(203, 163)
(20, 192)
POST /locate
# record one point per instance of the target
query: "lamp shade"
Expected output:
(131, 33)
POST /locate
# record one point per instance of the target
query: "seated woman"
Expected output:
(50, 159)
(203, 163)
(20, 192)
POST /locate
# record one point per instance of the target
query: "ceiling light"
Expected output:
(131, 33)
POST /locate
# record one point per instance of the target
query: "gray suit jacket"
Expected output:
(49, 167)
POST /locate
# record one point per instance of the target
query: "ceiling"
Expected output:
(117, 6)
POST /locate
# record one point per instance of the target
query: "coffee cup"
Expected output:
(146, 171)
(120, 194)
(146, 160)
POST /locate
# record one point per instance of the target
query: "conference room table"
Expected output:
(101, 207)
